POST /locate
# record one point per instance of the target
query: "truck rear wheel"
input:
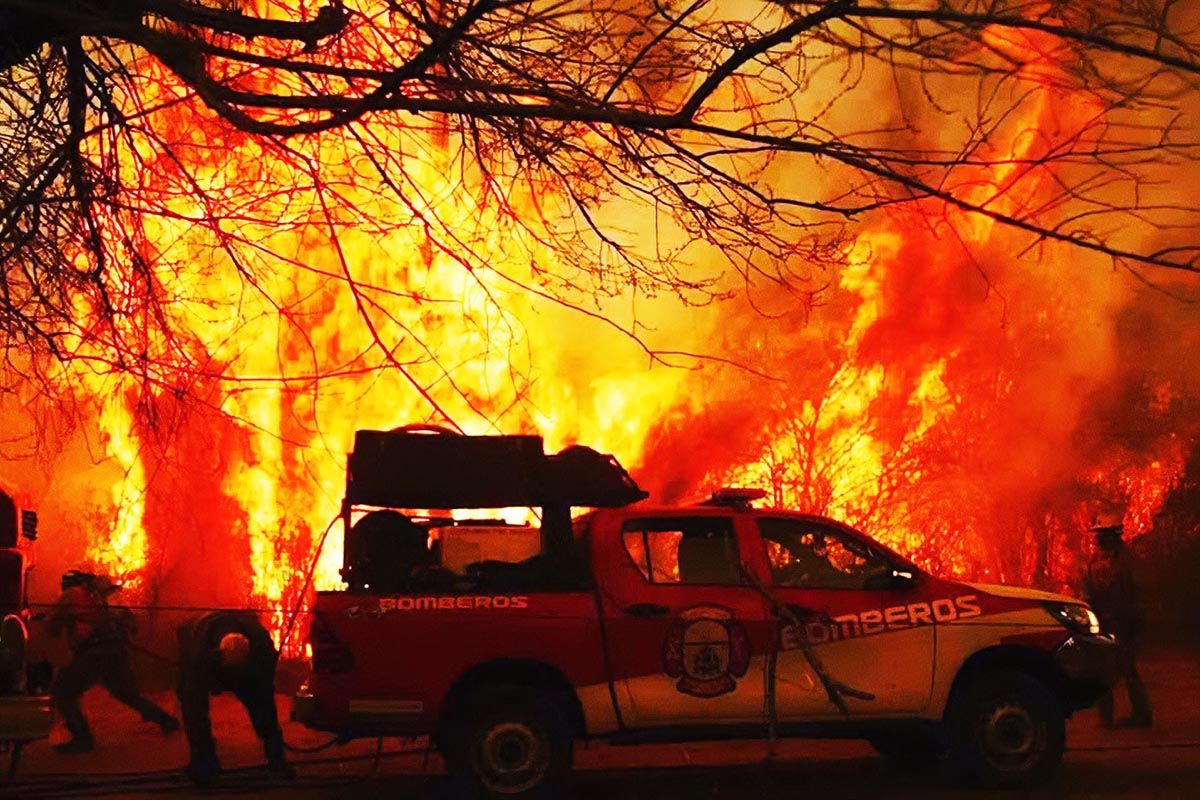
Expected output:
(1007, 730)
(510, 742)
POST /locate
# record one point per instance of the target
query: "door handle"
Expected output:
(647, 610)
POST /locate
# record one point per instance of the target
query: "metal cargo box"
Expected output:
(471, 544)
(422, 467)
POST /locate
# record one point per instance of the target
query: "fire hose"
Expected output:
(308, 576)
(835, 690)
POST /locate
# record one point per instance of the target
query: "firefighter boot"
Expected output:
(276, 762)
(1105, 707)
(1143, 719)
(204, 769)
(79, 743)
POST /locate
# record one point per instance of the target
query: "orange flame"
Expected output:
(328, 322)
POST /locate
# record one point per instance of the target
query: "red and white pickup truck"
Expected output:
(716, 620)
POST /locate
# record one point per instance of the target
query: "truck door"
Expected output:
(686, 636)
(853, 615)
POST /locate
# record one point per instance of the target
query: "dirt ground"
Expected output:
(132, 760)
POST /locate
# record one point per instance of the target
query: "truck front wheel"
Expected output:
(1007, 730)
(509, 742)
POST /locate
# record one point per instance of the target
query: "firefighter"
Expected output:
(227, 651)
(99, 639)
(1112, 592)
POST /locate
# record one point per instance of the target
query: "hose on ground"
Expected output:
(336, 739)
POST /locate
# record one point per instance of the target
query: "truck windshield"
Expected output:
(805, 554)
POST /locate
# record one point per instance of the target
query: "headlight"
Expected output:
(1074, 617)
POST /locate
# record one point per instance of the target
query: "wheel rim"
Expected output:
(510, 758)
(1014, 739)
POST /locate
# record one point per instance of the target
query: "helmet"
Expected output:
(1108, 529)
(1107, 524)
(76, 578)
(93, 583)
(235, 650)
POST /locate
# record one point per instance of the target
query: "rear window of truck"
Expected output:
(697, 551)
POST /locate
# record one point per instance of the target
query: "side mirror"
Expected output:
(894, 579)
(902, 578)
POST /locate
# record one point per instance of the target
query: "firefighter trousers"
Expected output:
(256, 696)
(108, 666)
(1139, 698)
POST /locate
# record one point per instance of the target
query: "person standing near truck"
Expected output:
(98, 635)
(1112, 591)
(227, 651)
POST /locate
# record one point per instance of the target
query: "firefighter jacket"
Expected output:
(1112, 591)
(88, 619)
(199, 657)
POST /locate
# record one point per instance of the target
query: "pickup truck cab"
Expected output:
(708, 621)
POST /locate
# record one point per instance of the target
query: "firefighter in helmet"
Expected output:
(98, 635)
(227, 651)
(1111, 590)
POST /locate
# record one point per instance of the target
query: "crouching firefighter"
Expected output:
(227, 651)
(98, 635)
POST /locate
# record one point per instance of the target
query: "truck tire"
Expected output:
(509, 742)
(1007, 730)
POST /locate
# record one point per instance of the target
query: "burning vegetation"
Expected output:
(924, 268)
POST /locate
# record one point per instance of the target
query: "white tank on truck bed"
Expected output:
(469, 544)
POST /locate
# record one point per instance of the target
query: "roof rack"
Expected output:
(737, 498)
(426, 467)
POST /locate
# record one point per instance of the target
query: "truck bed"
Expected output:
(408, 651)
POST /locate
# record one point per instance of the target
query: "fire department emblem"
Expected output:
(706, 649)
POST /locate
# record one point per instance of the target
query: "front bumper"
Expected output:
(24, 717)
(1091, 665)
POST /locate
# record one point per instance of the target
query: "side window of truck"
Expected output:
(809, 555)
(697, 551)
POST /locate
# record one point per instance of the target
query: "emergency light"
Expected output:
(735, 497)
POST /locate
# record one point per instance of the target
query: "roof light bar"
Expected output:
(734, 497)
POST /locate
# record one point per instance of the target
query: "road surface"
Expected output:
(133, 760)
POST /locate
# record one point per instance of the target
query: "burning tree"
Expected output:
(261, 212)
(686, 111)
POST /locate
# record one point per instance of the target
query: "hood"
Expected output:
(1022, 593)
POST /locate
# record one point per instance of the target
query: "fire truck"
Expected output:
(631, 623)
(25, 712)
